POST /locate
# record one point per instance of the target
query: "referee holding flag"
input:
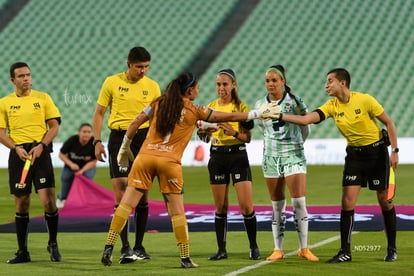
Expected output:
(32, 121)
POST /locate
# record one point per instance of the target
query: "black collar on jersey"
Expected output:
(284, 96)
(281, 100)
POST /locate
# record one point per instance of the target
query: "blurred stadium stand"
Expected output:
(73, 45)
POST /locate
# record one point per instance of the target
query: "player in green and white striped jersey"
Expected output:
(282, 139)
(284, 162)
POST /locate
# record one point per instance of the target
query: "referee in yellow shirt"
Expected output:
(229, 162)
(31, 120)
(126, 94)
(367, 161)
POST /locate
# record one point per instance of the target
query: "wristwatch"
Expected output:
(96, 142)
(395, 150)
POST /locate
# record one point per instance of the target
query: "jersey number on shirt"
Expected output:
(277, 124)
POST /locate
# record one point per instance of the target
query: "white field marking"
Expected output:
(251, 267)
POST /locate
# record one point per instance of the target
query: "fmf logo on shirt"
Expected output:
(340, 114)
(36, 105)
(123, 89)
(15, 107)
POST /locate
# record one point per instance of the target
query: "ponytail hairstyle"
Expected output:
(234, 94)
(171, 103)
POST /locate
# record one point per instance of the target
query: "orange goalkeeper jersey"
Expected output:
(173, 145)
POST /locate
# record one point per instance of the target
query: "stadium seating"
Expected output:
(2, 3)
(73, 45)
(369, 38)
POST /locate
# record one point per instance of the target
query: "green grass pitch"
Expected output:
(81, 252)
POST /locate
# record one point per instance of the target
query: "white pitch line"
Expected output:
(251, 267)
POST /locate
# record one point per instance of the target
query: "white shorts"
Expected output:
(277, 167)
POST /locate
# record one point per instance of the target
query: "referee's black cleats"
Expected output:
(391, 255)
(107, 255)
(127, 255)
(218, 256)
(254, 254)
(53, 250)
(141, 254)
(341, 257)
(20, 257)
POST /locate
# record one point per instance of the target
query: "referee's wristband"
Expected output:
(96, 142)
(236, 135)
(16, 147)
(43, 145)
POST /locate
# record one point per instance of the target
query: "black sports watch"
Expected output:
(96, 142)
(395, 150)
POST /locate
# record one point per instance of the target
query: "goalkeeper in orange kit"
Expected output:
(173, 119)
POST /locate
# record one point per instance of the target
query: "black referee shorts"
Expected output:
(41, 173)
(367, 165)
(226, 162)
(115, 142)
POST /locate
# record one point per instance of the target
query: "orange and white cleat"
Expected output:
(307, 254)
(276, 255)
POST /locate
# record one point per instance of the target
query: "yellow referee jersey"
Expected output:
(25, 117)
(126, 99)
(356, 119)
(218, 137)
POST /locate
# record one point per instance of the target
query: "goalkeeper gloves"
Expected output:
(210, 127)
(125, 155)
(266, 111)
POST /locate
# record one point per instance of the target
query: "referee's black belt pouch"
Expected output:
(385, 137)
